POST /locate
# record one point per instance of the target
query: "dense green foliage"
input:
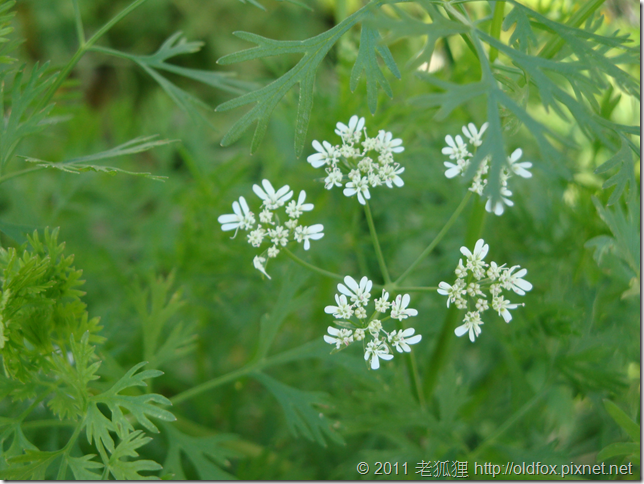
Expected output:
(172, 312)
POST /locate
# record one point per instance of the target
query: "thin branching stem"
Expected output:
(437, 239)
(319, 270)
(416, 288)
(376, 244)
(78, 20)
(63, 74)
(495, 29)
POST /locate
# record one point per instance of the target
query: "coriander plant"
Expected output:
(496, 182)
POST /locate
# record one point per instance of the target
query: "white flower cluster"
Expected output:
(355, 325)
(270, 227)
(366, 164)
(459, 153)
(477, 275)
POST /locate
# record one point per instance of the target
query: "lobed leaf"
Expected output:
(301, 417)
(78, 165)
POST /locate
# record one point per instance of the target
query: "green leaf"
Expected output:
(22, 120)
(301, 416)
(370, 43)
(78, 165)
(625, 230)
(206, 454)
(623, 420)
(625, 175)
(178, 45)
(313, 51)
(271, 323)
(32, 465)
(155, 307)
(139, 406)
(618, 448)
(129, 470)
(82, 467)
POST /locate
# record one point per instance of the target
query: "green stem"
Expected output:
(495, 29)
(18, 173)
(376, 244)
(416, 288)
(555, 44)
(215, 382)
(412, 371)
(303, 263)
(38, 424)
(81, 51)
(443, 346)
(437, 239)
(80, 31)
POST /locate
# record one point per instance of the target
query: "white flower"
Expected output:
(359, 294)
(382, 305)
(374, 179)
(326, 155)
(365, 165)
(515, 281)
(375, 327)
(482, 305)
(457, 150)
(501, 305)
(266, 216)
(386, 144)
(473, 135)
(494, 272)
(279, 236)
(472, 324)
(354, 175)
(339, 337)
(453, 293)
(474, 290)
(361, 312)
(460, 270)
(361, 187)
(453, 169)
(314, 232)
(272, 199)
(291, 223)
(399, 308)
(273, 251)
(256, 236)
(358, 334)
(334, 178)
(343, 309)
(294, 210)
(375, 350)
(498, 207)
(520, 169)
(401, 339)
(475, 260)
(389, 174)
(259, 263)
(242, 218)
(352, 133)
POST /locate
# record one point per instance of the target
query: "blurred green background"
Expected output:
(526, 391)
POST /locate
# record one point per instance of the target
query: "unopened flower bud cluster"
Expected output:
(476, 277)
(459, 152)
(359, 165)
(355, 325)
(270, 228)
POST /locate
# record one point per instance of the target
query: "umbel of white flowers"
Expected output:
(271, 228)
(351, 315)
(459, 155)
(476, 276)
(359, 165)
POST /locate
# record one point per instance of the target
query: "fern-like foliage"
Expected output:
(566, 81)
(48, 353)
(174, 46)
(313, 51)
